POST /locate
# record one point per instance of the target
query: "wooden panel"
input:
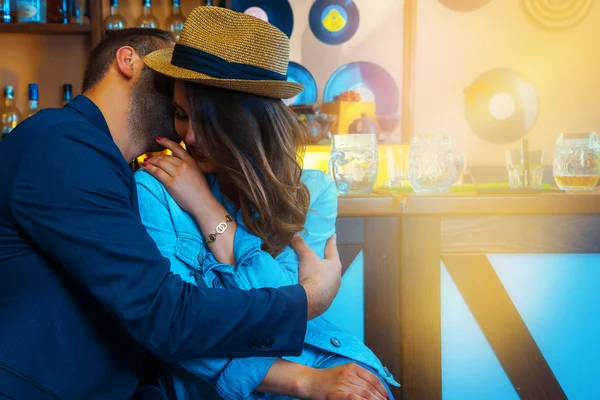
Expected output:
(503, 204)
(349, 206)
(382, 314)
(421, 350)
(96, 22)
(503, 327)
(521, 234)
(470, 204)
(46, 29)
(350, 230)
(48, 60)
(408, 68)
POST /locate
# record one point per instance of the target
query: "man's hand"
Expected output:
(348, 381)
(321, 278)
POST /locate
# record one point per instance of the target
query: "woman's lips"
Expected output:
(195, 153)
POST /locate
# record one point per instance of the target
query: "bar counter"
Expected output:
(480, 270)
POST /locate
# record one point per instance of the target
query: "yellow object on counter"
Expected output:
(165, 152)
(317, 157)
(347, 112)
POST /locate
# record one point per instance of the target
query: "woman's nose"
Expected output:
(190, 138)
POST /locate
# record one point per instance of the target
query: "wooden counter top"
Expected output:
(380, 204)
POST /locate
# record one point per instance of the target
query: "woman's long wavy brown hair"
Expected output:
(255, 141)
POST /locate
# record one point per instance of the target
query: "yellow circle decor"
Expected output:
(464, 5)
(556, 14)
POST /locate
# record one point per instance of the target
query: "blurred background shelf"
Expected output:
(47, 29)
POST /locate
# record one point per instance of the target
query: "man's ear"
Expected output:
(126, 56)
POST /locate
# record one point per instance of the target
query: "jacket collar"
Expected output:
(90, 111)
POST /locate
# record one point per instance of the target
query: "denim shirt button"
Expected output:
(200, 258)
(335, 342)
(216, 283)
(387, 371)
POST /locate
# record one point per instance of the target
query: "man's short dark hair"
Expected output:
(143, 41)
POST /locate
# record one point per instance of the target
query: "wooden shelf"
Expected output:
(46, 29)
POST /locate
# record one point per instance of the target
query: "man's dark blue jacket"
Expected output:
(85, 296)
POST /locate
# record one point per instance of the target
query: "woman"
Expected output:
(225, 211)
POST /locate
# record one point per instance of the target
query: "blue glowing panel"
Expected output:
(470, 369)
(558, 298)
(348, 309)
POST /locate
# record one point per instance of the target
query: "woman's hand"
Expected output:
(180, 175)
(348, 381)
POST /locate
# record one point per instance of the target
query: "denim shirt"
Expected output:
(179, 238)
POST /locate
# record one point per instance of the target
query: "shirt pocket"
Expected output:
(191, 251)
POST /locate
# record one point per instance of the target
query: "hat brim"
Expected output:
(160, 61)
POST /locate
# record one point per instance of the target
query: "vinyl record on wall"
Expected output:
(501, 106)
(464, 5)
(370, 80)
(275, 12)
(297, 73)
(552, 14)
(334, 21)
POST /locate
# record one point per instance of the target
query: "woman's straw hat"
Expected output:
(230, 50)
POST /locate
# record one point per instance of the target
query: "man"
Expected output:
(85, 296)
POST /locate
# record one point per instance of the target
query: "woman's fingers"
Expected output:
(175, 148)
(159, 174)
(372, 381)
(168, 164)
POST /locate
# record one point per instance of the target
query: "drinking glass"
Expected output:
(354, 162)
(515, 164)
(397, 165)
(434, 166)
(575, 165)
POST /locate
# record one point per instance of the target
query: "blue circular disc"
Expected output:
(299, 74)
(276, 12)
(370, 80)
(334, 21)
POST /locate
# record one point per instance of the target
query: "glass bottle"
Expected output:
(147, 19)
(34, 95)
(58, 11)
(79, 12)
(31, 11)
(114, 21)
(175, 20)
(11, 116)
(67, 92)
(8, 11)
